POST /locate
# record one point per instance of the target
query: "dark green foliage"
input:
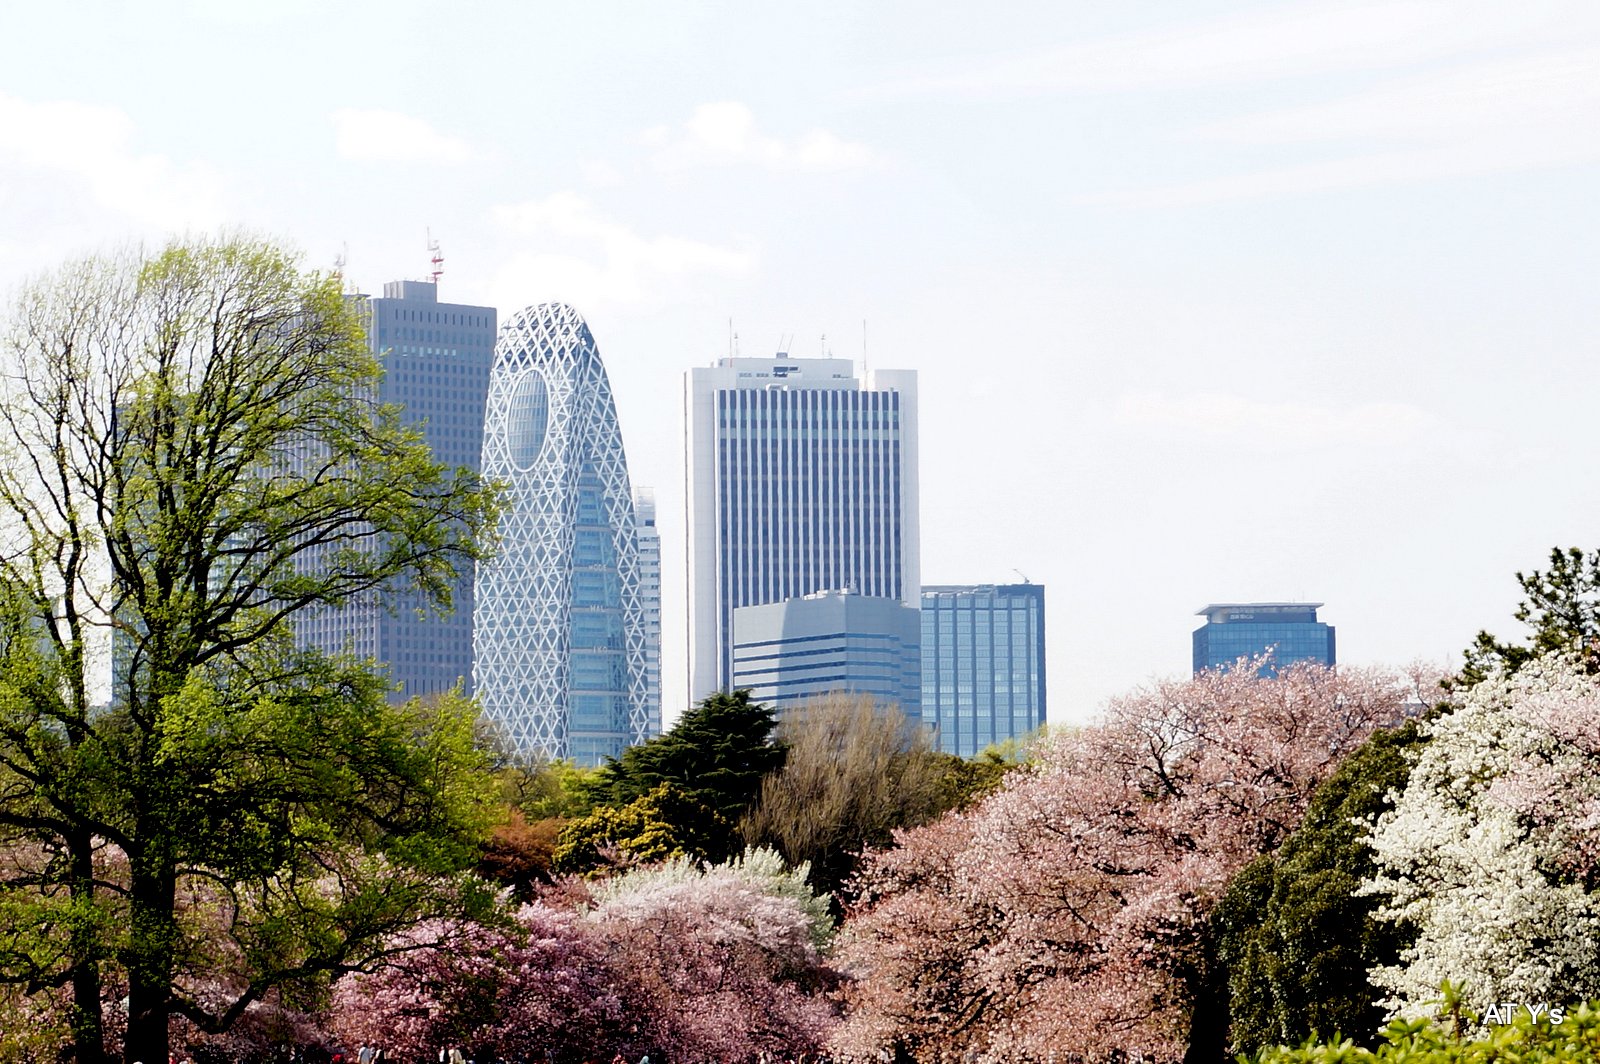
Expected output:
(715, 755)
(1295, 940)
(1562, 611)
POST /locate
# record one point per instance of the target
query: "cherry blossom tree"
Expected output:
(728, 958)
(541, 984)
(717, 964)
(1067, 913)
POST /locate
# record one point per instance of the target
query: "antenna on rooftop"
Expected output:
(1022, 574)
(824, 345)
(731, 336)
(437, 257)
(340, 261)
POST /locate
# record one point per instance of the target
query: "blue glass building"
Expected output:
(983, 675)
(1290, 631)
(787, 652)
(436, 359)
(561, 659)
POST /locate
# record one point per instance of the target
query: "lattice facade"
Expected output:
(560, 646)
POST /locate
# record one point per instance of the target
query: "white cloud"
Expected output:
(725, 133)
(1515, 114)
(1216, 414)
(53, 152)
(389, 136)
(588, 259)
(1283, 41)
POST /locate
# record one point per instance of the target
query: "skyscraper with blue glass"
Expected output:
(436, 360)
(561, 658)
(802, 478)
(983, 678)
(1289, 631)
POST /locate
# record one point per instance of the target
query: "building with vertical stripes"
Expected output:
(802, 478)
(644, 517)
(983, 679)
(436, 360)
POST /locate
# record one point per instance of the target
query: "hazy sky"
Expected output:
(1210, 301)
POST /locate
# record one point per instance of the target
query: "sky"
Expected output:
(1209, 301)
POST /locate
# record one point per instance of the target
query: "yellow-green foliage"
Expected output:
(1576, 1040)
(661, 825)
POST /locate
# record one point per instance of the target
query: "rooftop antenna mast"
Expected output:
(437, 258)
(731, 336)
(340, 261)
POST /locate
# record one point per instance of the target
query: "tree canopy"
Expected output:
(190, 458)
(1562, 613)
(715, 757)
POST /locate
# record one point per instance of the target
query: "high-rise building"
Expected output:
(561, 640)
(787, 652)
(644, 513)
(436, 360)
(983, 678)
(1290, 631)
(802, 478)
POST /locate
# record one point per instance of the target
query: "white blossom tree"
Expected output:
(1490, 852)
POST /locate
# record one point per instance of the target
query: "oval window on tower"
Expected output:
(527, 418)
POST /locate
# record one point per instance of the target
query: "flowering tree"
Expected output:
(687, 964)
(1492, 851)
(1068, 911)
(727, 959)
(540, 984)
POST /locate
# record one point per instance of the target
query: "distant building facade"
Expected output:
(561, 655)
(787, 652)
(1289, 630)
(802, 478)
(436, 359)
(983, 664)
(644, 515)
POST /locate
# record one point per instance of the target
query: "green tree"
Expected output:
(1294, 938)
(1562, 612)
(661, 825)
(190, 457)
(854, 771)
(716, 755)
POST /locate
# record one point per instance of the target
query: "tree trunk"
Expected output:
(152, 939)
(88, 1031)
(1208, 1022)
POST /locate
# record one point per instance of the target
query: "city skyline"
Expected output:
(1214, 300)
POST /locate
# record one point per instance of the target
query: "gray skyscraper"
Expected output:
(983, 679)
(801, 479)
(561, 638)
(436, 360)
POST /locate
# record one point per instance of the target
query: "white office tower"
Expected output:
(802, 479)
(559, 658)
